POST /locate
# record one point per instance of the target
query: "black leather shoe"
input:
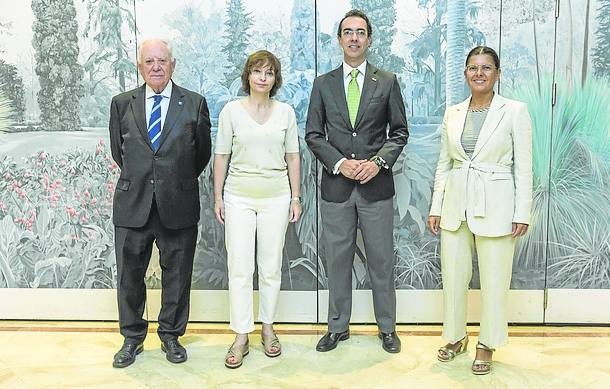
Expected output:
(174, 352)
(127, 354)
(330, 340)
(390, 342)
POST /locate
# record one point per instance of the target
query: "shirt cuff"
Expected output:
(336, 167)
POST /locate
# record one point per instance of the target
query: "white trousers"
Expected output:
(495, 257)
(251, 224)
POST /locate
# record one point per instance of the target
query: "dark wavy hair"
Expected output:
(258, 59)
(359, 14)
(484, 50)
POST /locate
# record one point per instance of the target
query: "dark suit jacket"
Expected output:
(380, 129)
(172, 171)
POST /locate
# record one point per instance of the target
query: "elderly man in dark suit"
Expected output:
(357, 137)
(160, 138)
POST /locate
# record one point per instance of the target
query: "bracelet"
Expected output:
(296, 198)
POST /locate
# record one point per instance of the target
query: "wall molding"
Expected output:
(413, 306)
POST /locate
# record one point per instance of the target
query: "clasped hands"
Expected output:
(361, 170)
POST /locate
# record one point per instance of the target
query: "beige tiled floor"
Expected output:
(79, 355)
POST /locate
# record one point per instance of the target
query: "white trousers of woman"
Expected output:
(250, 223)
(495, 257)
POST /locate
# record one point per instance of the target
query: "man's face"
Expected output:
(155, 65)
(354, 40)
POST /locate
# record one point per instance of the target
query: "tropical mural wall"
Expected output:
(61, 61)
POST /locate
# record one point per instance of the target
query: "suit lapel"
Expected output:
(338, 88)
(368, 89)
(176, 105)
(138, 109)
(495, 114)
(456, 126)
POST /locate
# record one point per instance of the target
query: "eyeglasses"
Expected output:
(473, 69)
(347, 33)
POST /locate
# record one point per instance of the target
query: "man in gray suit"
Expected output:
(160, 138)
(357, 137)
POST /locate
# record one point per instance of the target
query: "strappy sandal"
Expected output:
(446, 353)
(480, 366)
(270, 342)
(237, 352)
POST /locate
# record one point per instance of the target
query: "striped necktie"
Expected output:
(353, 97)
(154, 123)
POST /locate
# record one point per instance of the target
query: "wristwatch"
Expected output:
(296, 199)
(379, 162)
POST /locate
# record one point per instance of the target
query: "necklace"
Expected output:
(479, 109)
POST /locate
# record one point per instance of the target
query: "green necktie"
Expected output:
(353, 97)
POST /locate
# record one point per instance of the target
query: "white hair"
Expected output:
(156, 40)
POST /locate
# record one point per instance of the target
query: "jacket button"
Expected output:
(156, 158)
(354, 134)
(152, 181)
(353, 155)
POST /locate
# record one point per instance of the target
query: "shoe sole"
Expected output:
(342, 338)
(138, 351)
(228, 365)
(168, 358)
(270, 355)
(480, 372)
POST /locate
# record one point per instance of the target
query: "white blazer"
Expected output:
(492, 189)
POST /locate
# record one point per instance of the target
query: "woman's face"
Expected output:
(481, 74)
(262, 79)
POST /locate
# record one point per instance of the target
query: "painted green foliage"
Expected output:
(55, 225)
(601, 50)
(382, 15)
(11, 86)
(571, 145)
(60, 75)
(107, 22)
(236, 39)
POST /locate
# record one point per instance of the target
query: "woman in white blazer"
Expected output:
(481, 202)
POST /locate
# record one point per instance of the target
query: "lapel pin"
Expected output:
(179, 102)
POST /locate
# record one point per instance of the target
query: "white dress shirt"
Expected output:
(347, 77)
(150, 94)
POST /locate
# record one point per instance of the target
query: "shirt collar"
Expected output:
(167, 92)
(347, 69)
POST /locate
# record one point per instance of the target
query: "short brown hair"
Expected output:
(257, 59)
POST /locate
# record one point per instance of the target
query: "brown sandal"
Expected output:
(270, 342)
(238, 352)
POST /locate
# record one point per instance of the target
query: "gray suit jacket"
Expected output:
(380, 129)
(170, 173)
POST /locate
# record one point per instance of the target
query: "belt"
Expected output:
(469, 170)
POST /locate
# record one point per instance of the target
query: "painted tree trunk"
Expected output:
(456, 34)
(585, 49)
(535, 33)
